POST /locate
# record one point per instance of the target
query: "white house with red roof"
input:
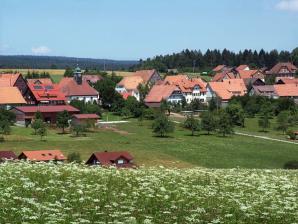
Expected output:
(78, 89)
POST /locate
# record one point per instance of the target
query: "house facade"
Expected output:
(283, 70)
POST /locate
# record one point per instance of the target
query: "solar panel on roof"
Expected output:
(37, 87)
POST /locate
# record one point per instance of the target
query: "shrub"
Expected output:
(291, 165)
(291, 134)
(162, 125)
(74, 157)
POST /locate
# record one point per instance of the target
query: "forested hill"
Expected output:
(52, 62)
(186, 60)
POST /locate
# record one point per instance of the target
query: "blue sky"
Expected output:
(133, 29)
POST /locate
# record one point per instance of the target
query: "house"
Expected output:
(42, 155)
(286, 80)
(287, 91)
(25, 114)
(242, 68)
(118, 159)
(246, 74)
(225, 90)
(128, 86)
(220, 68)
(45, 93)
(89, 119)
(39, 81)
(250, 82)
(7, 155)
(263, 90)
(78, 89)
(91, 79)
(283, 70)
(10, 96)
(14, 80)
(158, 93)
(219, 77)
(194, 88)
(150, 77)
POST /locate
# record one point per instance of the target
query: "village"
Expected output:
(40, 102)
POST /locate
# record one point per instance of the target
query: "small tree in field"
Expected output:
(42, 131)
(283, 121)
(225, 125)
(62, 120)
(162, 125)
(5, 127)
(78, 129)
(264, 122)
(208, 122)
(192, 124)
(36, 125)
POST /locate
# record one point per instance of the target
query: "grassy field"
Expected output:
(52, 72)
(178, 150)
(51, 193)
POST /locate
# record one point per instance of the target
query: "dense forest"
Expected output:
(51, 62)
(189, 60)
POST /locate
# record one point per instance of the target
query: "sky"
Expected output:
(134, 29)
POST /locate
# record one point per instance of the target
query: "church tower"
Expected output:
(78, 75)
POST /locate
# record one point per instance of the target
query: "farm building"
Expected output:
(42, 155)
(14, 80)
(89, 119)
(10, 96)
(78, 89)
(119, 159)
(25, 114)
(7, 155)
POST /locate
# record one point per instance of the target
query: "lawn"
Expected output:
(71, 193)
(178, 150)
(24, 71)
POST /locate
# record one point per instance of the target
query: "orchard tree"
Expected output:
(283, 121)
(192, 124)
(225, 125)
(208, 122)
(36, 124)
(162, 125)
(62, 120)
(264, 122)
(42, 131)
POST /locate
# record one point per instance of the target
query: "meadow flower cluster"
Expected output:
(72, 193)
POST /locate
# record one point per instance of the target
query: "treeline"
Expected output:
(53, 62)
(187, 60)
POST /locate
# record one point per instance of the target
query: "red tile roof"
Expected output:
(42, 155)
(9, 79)
(131, 82)
(223, 75)
(47, 109)
(160, 92)
(242, 67)
(219, 68)
(91, 78)
(109, 158)
(11, 95)
(69, 87)
(46, 81)
(46, 92)
(145, 74)
(184, 83)
(228, 88)
(7, 155)
(125, 95)
(287, 90)
(276, 68)
(288, 80)
(245, 74)
(172, 79)
(86, 116)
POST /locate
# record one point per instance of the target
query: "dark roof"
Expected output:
(7, 155)
(266, 90)
(109, 158)
(49, 108)
(276, 68)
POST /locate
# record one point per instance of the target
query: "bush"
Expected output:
(291, 165)
(74, 157)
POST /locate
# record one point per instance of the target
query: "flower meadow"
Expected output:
(74, 193)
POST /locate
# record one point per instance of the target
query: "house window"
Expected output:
(120, 161)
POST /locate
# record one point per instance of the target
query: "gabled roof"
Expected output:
(131, 82)
(69, 87)
(47, 109)
(173, 79)
(11, 95)
(222, 75)
(276, 68)
(46, 92)
(8, 79)
(287, 80)
(242, 67)
(266, 90)
(219, 68)
(160, 92)
(245, 74)
(45, 81)
(184, 83)
(145, 74)
(109, 158)
(286, 90)
(43, 155)
(86, 116)
(91, 78)
(7, 155)
(228, 88)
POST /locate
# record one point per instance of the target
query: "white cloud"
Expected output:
(40, 50)
(288, 5)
